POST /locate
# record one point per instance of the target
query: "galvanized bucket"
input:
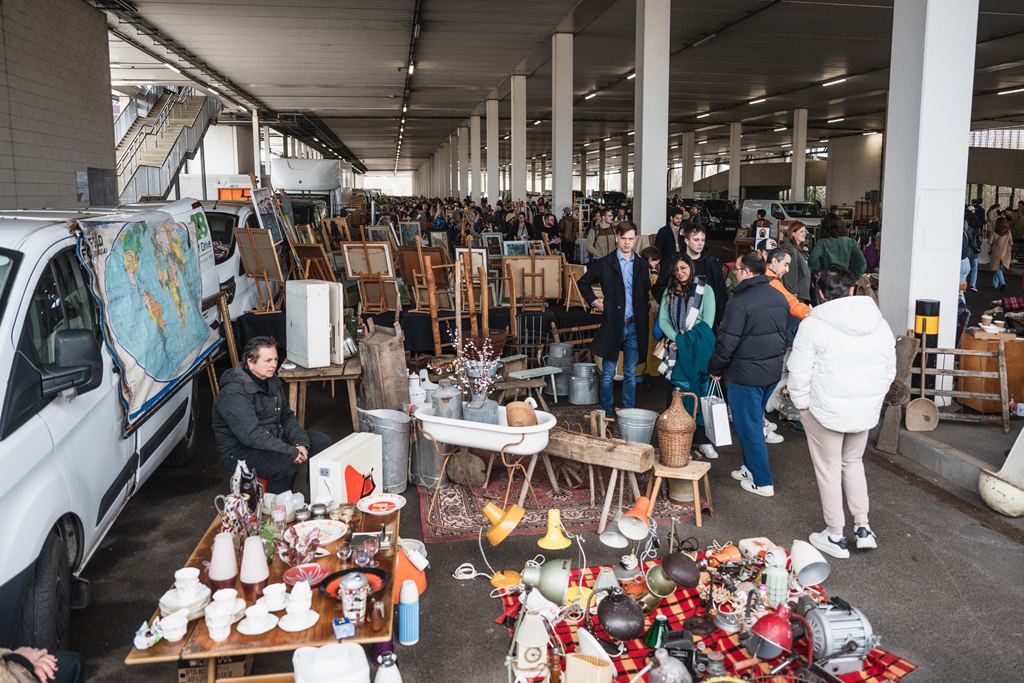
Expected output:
(584, 369)
(428, 462)
(584, 391)
(561, 380)
(636, 424)
(560, 350)
(393, 427)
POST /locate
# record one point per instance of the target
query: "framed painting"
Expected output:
(378, 234)
(493, 243)
(266, 211)
(517, 248)
(439, 238)
(410, 231)
(373, 258)
(477, 258)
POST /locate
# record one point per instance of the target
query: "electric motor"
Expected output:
(833, 625)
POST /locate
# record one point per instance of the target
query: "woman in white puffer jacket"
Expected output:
(842, 365)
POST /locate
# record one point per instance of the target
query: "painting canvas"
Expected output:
(439, 238)
(374, 259)
(516, 249)
(288, 215)
(258, 254)
(477, 259)
(266, 210)
(493, 244)
(377, 234)
(410, 231)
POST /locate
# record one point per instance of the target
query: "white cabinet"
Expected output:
(349, 470)
(308, 312)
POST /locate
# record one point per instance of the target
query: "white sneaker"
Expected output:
(865, 538)
(749, 485)
(708, 451)
(742, 474)
(825, 544)
(772, 437)
(768, 426)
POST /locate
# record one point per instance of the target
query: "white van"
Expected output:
(329, 180)
(68, 465)
(780, 213)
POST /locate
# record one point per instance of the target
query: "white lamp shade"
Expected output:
(254, 561)
(809, 565)
(223, 565)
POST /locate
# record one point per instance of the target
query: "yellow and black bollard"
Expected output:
(926, 328)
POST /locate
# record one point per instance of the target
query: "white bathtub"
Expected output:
(486, 436)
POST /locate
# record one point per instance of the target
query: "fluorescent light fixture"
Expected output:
(703, 116)
(823, 140)
(751, 149)
(243, 109)
(586, 144)
(590, 96)
(630, 77)
(172, 68)
(1010, 92)
(703, 142)
(607, 139)
(404, 108)
(212, 89)
(835, 120)
(506, 137)
(674, 147)
(871, 132)
(779, 130)
(536, 123)
(759, 101)
(835, 82)
(412, 67)
(632, 132)
(787, 145)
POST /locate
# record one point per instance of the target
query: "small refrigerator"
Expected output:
(308, 314)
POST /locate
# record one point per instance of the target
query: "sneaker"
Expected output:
(742, 474)
(749, 485)
(708, 451)
(768, 426)
(865, 538)
(772, 437)
(823, 542)
(973, 288)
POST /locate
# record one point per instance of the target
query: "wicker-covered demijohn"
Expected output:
(675, 431)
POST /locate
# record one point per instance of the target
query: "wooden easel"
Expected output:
(252, 263)
(573, 296)
(534, 302)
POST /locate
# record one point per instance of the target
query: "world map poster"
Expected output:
(147, 280)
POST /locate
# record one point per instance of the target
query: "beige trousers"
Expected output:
(838, 465)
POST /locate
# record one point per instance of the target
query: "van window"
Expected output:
(80, 310)
(9, 261)
(777, 212)
(802, 210)
(222, 230)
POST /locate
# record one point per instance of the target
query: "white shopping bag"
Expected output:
(716, 416)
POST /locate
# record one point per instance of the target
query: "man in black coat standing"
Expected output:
(751, 343)
(625, 281)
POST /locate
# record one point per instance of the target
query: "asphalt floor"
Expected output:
(943, 589)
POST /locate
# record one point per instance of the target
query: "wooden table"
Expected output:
(298, 377)
(197, 643)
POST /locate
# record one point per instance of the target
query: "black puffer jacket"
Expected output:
(752, 339)
(245, 415)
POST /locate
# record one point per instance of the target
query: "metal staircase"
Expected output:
(154, 149)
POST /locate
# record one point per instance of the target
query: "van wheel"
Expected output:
(185, 450)
(48, 604)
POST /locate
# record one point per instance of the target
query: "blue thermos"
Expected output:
(409, 613)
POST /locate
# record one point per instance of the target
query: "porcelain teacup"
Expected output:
(302, 594)
(227, 596)
(275, 596)
(219, 633)
(257, 615)
(186, 582)
(175, 625)
(296, 610)
(218, 614)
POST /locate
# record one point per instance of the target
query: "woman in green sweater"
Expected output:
(837, 247)
(686, 315)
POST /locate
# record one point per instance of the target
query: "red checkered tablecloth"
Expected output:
(879, 666)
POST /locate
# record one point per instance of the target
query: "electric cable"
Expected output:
(466, 570)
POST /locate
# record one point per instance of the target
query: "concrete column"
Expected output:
(583, 171)
(651, 114)
(463, 162)
(266, 150)
(533, 175)
(256, 148)
(544, 175)
(493, 170)
(600, 168)
(928, 119)
(686, 147)
(474, 158)
(798, 172)
(624, 164)
(561, 122)
(735, 130)
(518, 138)
(453, 165)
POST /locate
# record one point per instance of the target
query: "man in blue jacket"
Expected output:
(751, 344)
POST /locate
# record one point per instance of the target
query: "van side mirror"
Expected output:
(77, 364)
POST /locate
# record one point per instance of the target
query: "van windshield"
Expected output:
(9, 261)
(802, 210)
(719, 206)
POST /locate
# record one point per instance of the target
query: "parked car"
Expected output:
(69, 465)
(781, 214)
(719, 215)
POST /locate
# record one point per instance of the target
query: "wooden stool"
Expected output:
(526, 385)
(538, 373)
(694, 471)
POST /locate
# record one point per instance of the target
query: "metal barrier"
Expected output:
(175, 105)
(138, 106)
(155, 180)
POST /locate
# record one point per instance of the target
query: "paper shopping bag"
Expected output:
(716, 416)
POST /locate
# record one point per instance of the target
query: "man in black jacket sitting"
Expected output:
(252, 420)
(751, 343)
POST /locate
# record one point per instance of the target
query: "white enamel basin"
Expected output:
(485, 436)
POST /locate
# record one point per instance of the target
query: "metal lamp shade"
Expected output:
(809, 565)
(551, 579)
(620, 616)
(659, 583)
(554, 539)
(633, 524)
(772, 635)
(502, 521)
(611, 536)
(683, 569)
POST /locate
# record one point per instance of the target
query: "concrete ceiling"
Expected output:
(346, 63)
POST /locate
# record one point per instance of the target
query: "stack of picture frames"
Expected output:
(412, 266)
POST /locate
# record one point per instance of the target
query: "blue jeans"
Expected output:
(748, 404)
(630, 358)
(998, 279)
(973, 281)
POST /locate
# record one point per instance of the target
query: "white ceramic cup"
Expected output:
(227, 596)
(186, 582)
(275, 595)
(219, 633)
(175, 625)
(297, 609)
(218, 614)
(257, 615)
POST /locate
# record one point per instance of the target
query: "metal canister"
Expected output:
(447, 400)
(354, 590)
